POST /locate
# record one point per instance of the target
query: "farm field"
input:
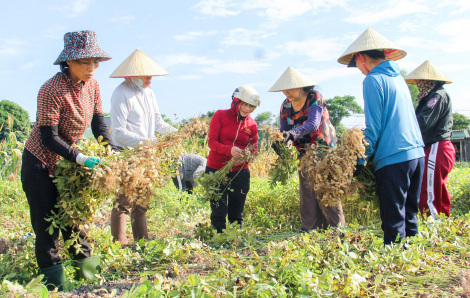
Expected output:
(267, 258)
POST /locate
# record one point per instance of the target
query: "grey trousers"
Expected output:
(119, 218)
(311, 214)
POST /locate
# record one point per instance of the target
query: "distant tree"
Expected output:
(460, 121)
(168, 120)
(263, 118)
(21, 125)
(106, 114)
(341, 107)
(413, 89)
(208, 114)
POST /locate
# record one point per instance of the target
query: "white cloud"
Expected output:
(193, 35)
(454, 67)
(459, 40)
(408, 26)
(56, 32)
(212, 66)
(216, 8)
(419, 42)
(371, 15)
(189, 77)
(459, 5)
(11, 47)
(31, 64)
(317, 49)
(122, 18)
(241, 36)
(329, 73)
(183, 58)
(237, 67)
(274, 11)
(74, 9)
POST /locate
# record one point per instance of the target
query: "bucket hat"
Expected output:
(427, 71)
(138, 65)
(290, 79)
(371, 40)
(81, 45)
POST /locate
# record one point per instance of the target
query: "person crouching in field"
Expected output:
(392, 131)
(135, 118)
(230, 132)
(304, 119)
(190, 166)
(434, 114)
(67, 104)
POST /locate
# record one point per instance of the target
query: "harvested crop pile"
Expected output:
(132, 172)
(286, 163)
(330, 170)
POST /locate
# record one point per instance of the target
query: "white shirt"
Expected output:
(135, 116)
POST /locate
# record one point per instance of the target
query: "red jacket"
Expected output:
(223, 136)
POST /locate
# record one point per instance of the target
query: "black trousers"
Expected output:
(399, 187)
(41, 193)
(231, 203)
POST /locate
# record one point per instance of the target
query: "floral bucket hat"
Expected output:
(81, 45)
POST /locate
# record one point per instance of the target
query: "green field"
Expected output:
(267, 258)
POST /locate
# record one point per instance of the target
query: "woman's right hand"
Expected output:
(236, 152)
(87, 161)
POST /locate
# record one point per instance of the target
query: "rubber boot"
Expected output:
(87, 267)
(54, 277)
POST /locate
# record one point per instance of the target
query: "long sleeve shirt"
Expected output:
(392, 130)
(226, 131)
(135, 116)
(311, 124)
(434, 114)
(65, 110)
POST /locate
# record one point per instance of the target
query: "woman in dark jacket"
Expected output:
(434, 114)
(230, 132)
(304, 119)
(68, 104)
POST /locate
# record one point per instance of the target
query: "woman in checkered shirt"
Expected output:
(68, 104)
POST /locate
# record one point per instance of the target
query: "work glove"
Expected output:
(87, 161)
(287, 137)
(358, 170)
(275, 146)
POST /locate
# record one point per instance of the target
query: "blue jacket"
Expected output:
(391, 126)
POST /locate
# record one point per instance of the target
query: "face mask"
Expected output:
(137, 81)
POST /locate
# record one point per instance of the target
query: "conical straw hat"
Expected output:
(291, 79)
(427, 71)
(138, 65)
(372, 40)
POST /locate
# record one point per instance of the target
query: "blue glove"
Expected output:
(87, 161)
(91, 162)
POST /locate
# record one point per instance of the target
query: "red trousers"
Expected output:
(445, 158)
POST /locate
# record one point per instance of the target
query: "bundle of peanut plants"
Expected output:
(284, 167)
(330, 170)
(211, 183)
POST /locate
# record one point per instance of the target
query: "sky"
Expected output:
(210, 47)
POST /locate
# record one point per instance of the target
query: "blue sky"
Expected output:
(210, 47)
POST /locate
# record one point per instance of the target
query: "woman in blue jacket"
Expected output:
(395, 143)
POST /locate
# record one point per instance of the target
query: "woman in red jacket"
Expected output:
(230, 132)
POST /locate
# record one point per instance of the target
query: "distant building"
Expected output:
(461, 141)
